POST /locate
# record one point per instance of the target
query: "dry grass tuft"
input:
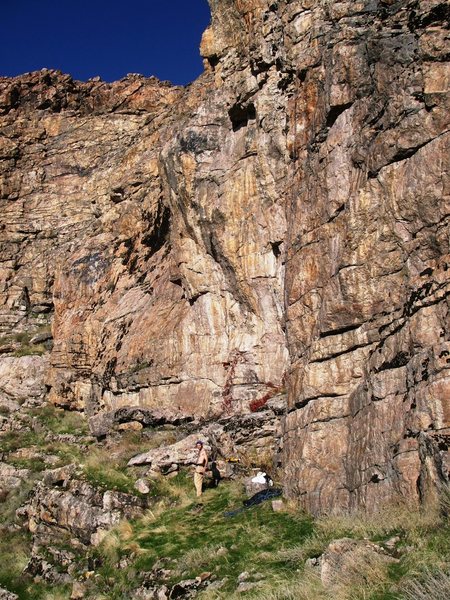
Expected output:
(305, 587)
(116, 541)
(197, 558)
(393, 518)
(444, 500)
(431, 586)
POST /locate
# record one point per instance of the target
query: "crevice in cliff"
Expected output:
(420, 294)
(437, 14)
(159, 234)
(276, 248)
(302, 403)
(334, 113)
(403, 154)
(341, 352)
(241, 115)
(193, 299)
(340, 331)
(400, 360)
(213, 248)
(432, 469)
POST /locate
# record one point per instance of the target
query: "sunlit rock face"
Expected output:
(280, 223)
(160, 226)
(367, 277)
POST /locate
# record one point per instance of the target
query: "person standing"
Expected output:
(200, 467)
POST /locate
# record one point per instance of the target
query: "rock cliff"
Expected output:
(280, 225)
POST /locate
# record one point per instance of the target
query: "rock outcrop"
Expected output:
(62, 504)
(282, 222)
(251, 439)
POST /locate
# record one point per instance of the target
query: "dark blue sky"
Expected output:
(109, 38)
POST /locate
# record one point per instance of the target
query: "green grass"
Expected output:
(28, 350)
(176, 530)
(257, 540)
(15, 550)
(109, 478)
(191, 540)
(14, 440)
(23, 338)
(35, 465)
(60, 421)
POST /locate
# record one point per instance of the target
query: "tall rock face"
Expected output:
(282, 222)
(367, 282)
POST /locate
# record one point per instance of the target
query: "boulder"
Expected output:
(11, 478)
(7, 595)
(239, 437)
(164, 459)
(22, 379)
(348, 559)
(142, 486)
(133, 418)
(61, 504)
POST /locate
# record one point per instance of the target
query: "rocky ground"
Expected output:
(62, 489)
(115, 517)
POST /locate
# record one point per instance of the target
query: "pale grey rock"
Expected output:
(22, 378)
(78, 591)
(11, 477)
(75, 506)
(142, 486)
(6, 595)
(278, 505)
(246, 586)
(345, 558)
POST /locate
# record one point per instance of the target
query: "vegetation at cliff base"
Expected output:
(257, 553)
(272, 553)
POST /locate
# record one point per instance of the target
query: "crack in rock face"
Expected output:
(281, 223)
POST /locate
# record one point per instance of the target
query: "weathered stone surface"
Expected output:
(347, 559)
(145, 281)
(244, 438)
(10, 478)
(180, 453)
(367, 284)
(142, 486)
(61, 503)
(280, 223)
(187, 588)
(78, 591)
(6, 595)
(103, 422)
(21, 379)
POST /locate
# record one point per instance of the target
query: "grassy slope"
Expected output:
(272, 547)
